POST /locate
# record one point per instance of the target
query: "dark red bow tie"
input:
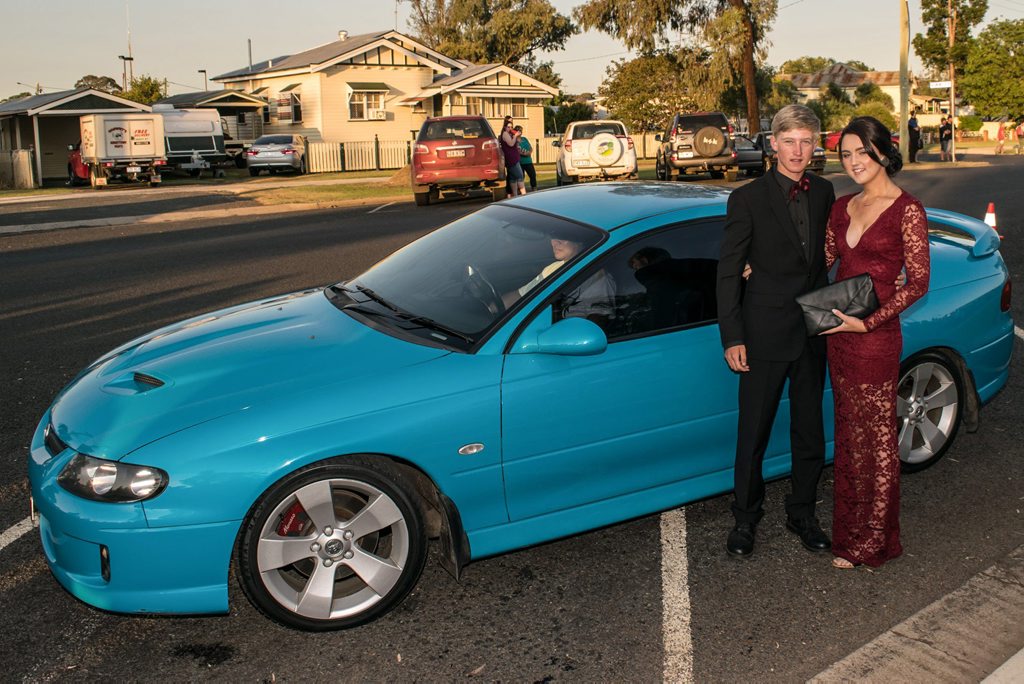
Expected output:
(802, 185)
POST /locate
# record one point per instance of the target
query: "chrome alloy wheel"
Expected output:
(332, 549)
(928, 412)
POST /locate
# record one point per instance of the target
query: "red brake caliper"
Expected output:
(293, 521)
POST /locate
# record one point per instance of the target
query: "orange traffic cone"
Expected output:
(990, 218)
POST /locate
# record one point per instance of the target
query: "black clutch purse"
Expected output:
(854, 297)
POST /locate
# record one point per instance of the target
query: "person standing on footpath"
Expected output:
(776, 224)
(915, 137)
(1000, 137)
(510, 148)
(945, 139)
(526, 158)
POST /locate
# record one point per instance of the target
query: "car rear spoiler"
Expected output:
(986, 240)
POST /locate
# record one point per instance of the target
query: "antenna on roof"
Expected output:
(396, 14)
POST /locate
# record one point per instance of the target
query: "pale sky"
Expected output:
(56, 42)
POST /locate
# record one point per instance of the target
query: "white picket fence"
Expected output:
(370, 155)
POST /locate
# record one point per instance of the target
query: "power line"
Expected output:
(587, 59)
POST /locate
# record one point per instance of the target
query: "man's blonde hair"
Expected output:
(795, 116)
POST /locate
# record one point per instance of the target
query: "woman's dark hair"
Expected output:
(874, 135)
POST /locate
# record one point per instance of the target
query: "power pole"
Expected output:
(904, 78)
(952, 79)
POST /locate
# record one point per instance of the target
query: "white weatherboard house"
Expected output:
(383, 85)
(847, 78)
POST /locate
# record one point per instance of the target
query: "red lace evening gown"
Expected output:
(865, 369)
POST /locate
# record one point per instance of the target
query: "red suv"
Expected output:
(454, 155)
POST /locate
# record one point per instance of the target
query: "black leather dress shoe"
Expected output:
(810, 533)
(741, 541)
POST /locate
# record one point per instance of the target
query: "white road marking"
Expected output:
(1017, 331)
(12, 534)
(383, 206)
(675, 598)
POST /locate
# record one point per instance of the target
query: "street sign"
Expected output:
(940, 84)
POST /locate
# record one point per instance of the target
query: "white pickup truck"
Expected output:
(125, 145)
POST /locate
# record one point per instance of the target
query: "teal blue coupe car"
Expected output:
(538, 368)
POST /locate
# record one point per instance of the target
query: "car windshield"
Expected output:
(590, 130)
(454, 284)
(274, 140)
(459, 129)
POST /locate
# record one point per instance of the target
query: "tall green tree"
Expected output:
(558, 118)
(102, 83)
(145, 89)
(833, 107)
(732, 33)
(645, 92)
(994, 79)
(542, 71)
(933, 48)
(879, 111)
(870, 92)
(490, 31)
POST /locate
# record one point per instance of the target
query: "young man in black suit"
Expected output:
(776, 225)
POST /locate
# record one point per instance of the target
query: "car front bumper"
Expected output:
(181, 570)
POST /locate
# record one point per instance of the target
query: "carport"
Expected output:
(48, 123)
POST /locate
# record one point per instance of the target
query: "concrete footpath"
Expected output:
(974, 634)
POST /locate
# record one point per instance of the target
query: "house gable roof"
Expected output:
(82, 99)
(325, 55)
(214, 98)
(469, 75)
(843, 76)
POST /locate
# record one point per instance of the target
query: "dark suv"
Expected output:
(697, 143)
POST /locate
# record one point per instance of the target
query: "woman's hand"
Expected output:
(850, 324)
(747, 271)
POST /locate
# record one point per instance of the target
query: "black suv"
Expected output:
(697, 143)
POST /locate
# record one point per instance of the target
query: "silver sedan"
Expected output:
(277, 153)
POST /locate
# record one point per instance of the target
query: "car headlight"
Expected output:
(111, 481)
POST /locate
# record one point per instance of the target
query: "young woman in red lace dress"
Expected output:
(880, 231)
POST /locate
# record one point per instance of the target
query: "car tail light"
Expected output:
(674, 131)
(567, 145)
(1004, 300)
(730, 130)
(108, 164)
(629, 141)
(252, 153)
(159, 162)
(288, 151)
(421, 149)
(491, 144)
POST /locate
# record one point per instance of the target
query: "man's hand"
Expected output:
(736, 357)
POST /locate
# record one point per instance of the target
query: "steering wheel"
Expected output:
(481, 289)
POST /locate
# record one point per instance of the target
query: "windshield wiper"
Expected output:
(423, 321)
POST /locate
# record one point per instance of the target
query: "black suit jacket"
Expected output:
(758, 229)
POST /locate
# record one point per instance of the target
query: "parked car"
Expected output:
(756, 155)
(595, 150)
(832, 140)
(697, 143)
(538, 368)
(274, 153)
(456, 155)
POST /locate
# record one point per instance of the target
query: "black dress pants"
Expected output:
(759, 396)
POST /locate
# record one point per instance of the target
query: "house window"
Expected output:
(240, 117)
(364, 105)
(266, 114)
(519, 110)
(474, 105)
(296, 108)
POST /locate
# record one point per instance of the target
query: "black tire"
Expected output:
(302, 166)
(929, 409)
(72, 178)
(422, 198)
(254, 172)
(195, 173)
(718, 175)
(388, 546)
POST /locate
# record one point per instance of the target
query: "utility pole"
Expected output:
(904, 78)
(952, 79)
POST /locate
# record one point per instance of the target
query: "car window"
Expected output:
(744, 143)
(274, 140)
(693, 123)
(466, 274)
(663, 281)
(590, 130)
(460, 129)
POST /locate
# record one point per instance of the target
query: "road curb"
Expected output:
(962, 637)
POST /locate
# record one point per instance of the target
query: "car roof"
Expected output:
(610, 205)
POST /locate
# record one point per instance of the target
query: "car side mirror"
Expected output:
(556, 143)
(567, 337)
(657, 138)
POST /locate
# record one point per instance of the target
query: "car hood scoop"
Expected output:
(220, 363)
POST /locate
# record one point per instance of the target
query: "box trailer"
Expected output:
(120, 145)
(193, 138)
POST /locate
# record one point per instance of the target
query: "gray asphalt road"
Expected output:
(584, 609)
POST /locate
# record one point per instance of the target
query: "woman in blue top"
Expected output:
(526, 158)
